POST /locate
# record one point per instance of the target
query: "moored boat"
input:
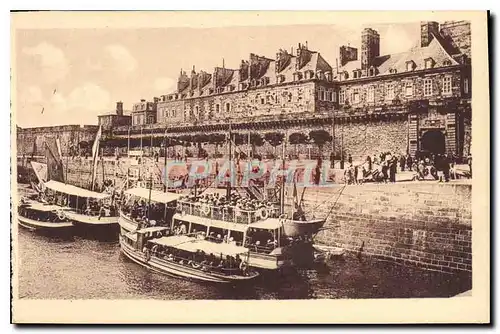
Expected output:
(186, 256)
(38, 216)
(92, 213)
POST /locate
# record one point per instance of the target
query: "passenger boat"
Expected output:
(38, 216)
(132, 212)
(89, 211)
(186, 256)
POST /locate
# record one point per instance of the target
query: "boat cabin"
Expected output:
(78, 200)
(148, 207)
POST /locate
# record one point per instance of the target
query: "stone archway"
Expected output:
(433, 141)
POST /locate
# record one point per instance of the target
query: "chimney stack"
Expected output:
(347, 54)
(119, 108)
(427, 32)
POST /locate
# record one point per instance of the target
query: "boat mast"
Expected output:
(165, 187)
(282, 193)
(228, 190)
(150, 189)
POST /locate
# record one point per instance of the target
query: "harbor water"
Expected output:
(80, 268)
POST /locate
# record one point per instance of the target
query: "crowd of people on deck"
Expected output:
(233, 204)
(230, 265)
(146, 215)
(87, 206)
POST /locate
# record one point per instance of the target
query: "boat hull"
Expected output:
(91, 227)
(297, 228)
(173, 269)
(59, 227)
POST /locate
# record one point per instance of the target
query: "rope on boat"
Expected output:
(333, 206)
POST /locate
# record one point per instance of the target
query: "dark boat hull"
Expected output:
(90, 227)
(297, 228)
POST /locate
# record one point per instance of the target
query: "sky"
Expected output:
(69, 76)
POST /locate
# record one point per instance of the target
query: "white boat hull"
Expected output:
(41, 225)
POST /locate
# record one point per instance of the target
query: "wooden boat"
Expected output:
(175, 255)
(75, 197)
(39, 216)
(247, 228)
(167, 201)
(297, 228)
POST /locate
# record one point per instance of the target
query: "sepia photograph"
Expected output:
(161, 159)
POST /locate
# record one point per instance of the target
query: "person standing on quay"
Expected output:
(402, 162)
(393, 164)
(369, 160)
(349, 160)
(409, 162)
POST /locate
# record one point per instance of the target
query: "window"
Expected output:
(228, 107)
(409, 65)
(466, 85)
(390, 92)
(447, 85)
(371, 94)
(342, 96)
(262, 101)
(427, 87)
(334, 96)
(429, 63)
(321, 95)
(355, 95)
(409, 88)
(174, 113)
(289, 97)
(217, 108)
(328, 96)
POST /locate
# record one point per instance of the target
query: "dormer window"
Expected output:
(354, 74)
(429, 63)
(264, 81)
(410, 66)
(328, 76)
(393, 71)
(372, 71)
(297, 76)
(280, 78)
(447, 62)
(346, 75)
(243, 86)
(211, 91)
(254, 82)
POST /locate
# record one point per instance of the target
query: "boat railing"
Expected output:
(227, 213)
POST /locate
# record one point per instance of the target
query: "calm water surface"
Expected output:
(54, 268)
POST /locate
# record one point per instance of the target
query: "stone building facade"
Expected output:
(368, 101)
(114, 119)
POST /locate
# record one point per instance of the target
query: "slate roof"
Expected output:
(397, 61)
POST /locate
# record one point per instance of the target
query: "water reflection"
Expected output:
(78, 268)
